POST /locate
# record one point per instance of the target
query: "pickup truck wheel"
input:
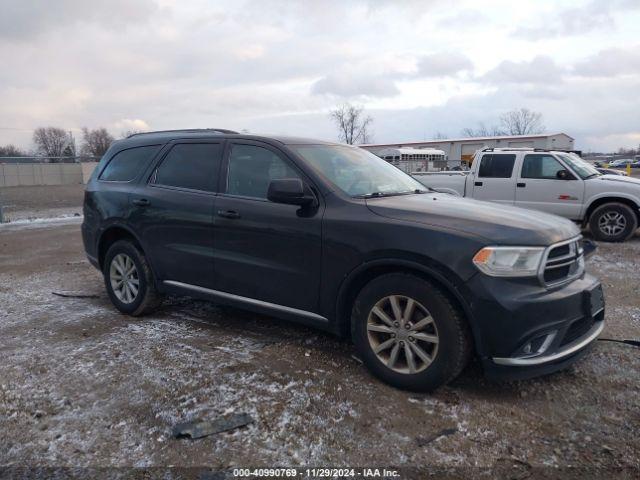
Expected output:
(408, 333)
(613, 222)
(129, 280)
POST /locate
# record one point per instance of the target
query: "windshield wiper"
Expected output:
(393, 194)
(380, 194)
(593, 175)
(373, 194)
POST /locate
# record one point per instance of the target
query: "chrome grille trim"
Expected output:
(575, 255)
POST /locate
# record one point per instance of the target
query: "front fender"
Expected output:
(439, 274)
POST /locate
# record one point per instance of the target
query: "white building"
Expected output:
(414, 159)
(462, 149)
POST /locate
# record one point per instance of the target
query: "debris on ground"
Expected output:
(76, 295)
(357, 359)
(633, 343)
(203, 428)
(424, 441)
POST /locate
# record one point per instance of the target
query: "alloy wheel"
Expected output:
(402, 334)
(612, 223)
(124, 279)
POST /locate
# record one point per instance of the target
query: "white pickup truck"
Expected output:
(551, 181)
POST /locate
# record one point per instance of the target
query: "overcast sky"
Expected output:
(418, 67)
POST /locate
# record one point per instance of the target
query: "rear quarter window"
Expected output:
(127, 164)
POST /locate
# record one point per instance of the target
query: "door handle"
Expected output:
(478, 184)
(521, 185)
(228, 214)
(141, 202)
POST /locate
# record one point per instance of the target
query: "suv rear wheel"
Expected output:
(408, 332)
(129, 279)
(613, 222)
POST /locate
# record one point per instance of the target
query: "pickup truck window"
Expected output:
(541, 166)
(496, 165)
(579, 166)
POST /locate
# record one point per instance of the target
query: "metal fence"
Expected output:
(44, 159)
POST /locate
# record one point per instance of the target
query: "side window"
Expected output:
(125, 165)
(496, 165)
(191, 165)
(252, 168)
(541, 166)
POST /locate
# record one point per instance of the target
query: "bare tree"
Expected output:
(482, 131)
(439, 136)
(95, 142)
(54, 142)
(11, 151)
(353, 125)
(522, 122)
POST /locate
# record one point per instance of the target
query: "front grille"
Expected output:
(563, 262)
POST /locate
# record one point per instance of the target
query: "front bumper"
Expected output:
(524, 330)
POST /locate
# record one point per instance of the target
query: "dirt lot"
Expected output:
(83, 386)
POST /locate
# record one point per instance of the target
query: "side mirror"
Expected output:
(291, 191)
(563, 175)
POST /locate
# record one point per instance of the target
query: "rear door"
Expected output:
(174, 211)
(495, 178)
(539, 188)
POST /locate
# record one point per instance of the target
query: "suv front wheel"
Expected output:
(409, 333)
(129, 279)
(613, 222)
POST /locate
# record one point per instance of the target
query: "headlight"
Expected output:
(509, 261)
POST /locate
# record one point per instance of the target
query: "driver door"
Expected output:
(263, 250)
(540, 188)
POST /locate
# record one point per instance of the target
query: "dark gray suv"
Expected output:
(335, 237)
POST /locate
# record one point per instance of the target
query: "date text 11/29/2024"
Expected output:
(315, 472)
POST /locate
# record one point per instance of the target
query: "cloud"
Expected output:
(610, 63)
(22, 20)
(443, 64)
(595, 15)
(350, 85)
(131, 125)
(541, 70)
(274, 65)
(370, 79)
(470, 18)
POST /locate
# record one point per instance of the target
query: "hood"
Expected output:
(617, 178)
(496, 223)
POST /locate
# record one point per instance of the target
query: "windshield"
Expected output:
(578, 165)
(357, 172)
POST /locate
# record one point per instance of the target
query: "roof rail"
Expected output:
(186, 130)
(529, 149)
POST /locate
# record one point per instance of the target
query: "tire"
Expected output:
(146, 298)
(448, 356)
(613, 222)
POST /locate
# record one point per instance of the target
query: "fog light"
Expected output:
(536, 346)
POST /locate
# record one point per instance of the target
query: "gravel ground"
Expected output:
(83, 386)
